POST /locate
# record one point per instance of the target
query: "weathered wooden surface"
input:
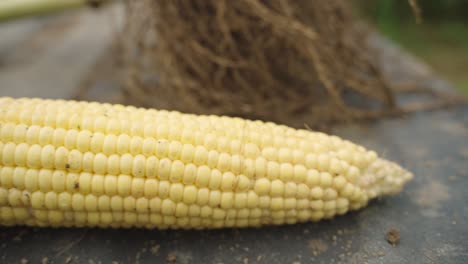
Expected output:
(53, 58)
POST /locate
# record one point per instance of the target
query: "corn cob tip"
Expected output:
(384, 177)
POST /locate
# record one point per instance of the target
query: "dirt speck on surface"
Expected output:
(317, 246)
(45, 260)
(245, 261)
(393, 236)
(171, 258)
(24, 261)
(155, 249)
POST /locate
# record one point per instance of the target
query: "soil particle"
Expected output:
(393, 236)
(171, 258)
(317, 246)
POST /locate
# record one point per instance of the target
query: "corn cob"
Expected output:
(69, 163)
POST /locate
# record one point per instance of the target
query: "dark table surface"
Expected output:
(431, 214)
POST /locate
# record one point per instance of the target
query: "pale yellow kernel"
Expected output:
(142, 205)
(251, 151)
(260, 167)
(316, 205)
(113, 126)
(252, 199)
(277, 188)
(88, 162)
(316, 215)
(285, 155)
(148, 147)
(47, 157)
(6, 177)
(138, 166)
(58, 181)
(130, 218)
(290, 189)
(224, 162)
(110, 185)
(45, 180)
(34, 156)
(270, 153)
(59, 137)
(155, 204)
(87, 123)
(78, 202)
(262, 186)
(100, 164)
(229, 181)
(298, 156)
(311, 161)
(7, 131)
(206, 211)
(156, 219)
(300, 173)
(151, 169)
(75, 159)
(113, 164)
(175, 149)
(110, 144)
(273, 170)
(18, 178)
(164, 169)
(342, 203)
(38, 200)
(215, 179)
(227, 200)
(85, 182)
(243, 183)
(83, 140)
(278, 216)
(129, 203)
(194, 210)
(302, 191)
(181, 210)
(70, 138)
(347, 191)
(210, 141)
(136, 145)
(339, 182)
(97, 142)
(176, 192)
(316, 192)
(55, 217)
(203, 176)
(3, 197)
(168, 207)
(286, 172)
(214, 198)
(218, 214)
(329, 205)
(126, 162)
(162, 148)
(302, 203)
(80, 218)
(255, 213)
(104, 203)
(326, 179)
(203, 196)
(277, 203)
(264, 202)
(123, 144)
(200, 156)
(124, 185)
(213, 157)
(91, 202)
(21, 153)
(32, 135)
(8, 154)
(138, 185)
(19, 133)
(14, 198)
(177, 171)
(72, 182)
(352, 174)
(189, 194)
(223, 144)
(106, 218)
(240, 200)
(188, 153)
(150, 188)
(330, 194)
(164, 188)
(290, 203)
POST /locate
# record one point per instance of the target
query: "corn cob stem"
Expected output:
(68, 163)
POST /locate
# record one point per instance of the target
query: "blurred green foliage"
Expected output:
(441, 39)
